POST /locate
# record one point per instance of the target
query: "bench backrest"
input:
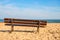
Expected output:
(25, 22)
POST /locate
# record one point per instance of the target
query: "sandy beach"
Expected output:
(49, 32)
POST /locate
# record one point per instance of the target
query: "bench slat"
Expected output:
(9, 21)
(22, 25)
(27, 23)
(20, 19)
(23, 21)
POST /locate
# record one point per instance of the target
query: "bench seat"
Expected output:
(24, 22)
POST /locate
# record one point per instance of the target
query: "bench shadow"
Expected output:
(15, 31)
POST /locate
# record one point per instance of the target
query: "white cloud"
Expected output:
(10, 10)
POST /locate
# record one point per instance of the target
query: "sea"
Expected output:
(48, 20)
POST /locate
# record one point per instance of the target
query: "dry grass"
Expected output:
(49, 32)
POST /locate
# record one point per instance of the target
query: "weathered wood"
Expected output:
(12, 25)
(24, 22)
(20, 19)
(38, 26)
(22, 25)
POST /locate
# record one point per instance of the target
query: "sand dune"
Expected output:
(49, 32)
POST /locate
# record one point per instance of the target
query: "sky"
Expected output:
(30, 9)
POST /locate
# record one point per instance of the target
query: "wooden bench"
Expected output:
(24, 22)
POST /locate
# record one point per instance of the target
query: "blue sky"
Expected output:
(30, 9)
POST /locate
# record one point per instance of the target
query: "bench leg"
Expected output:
(38, 29)
(11, 28)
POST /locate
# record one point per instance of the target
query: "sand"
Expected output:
(49, 32)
